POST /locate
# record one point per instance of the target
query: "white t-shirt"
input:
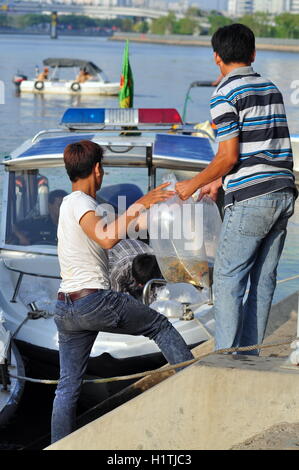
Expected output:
(83, 263)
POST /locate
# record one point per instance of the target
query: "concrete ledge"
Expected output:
(215, 404)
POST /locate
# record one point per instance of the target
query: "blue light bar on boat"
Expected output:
(121, 116)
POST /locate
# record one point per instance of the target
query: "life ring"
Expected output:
(75, 86)
(39, 85)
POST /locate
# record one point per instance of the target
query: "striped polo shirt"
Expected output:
(247, 106)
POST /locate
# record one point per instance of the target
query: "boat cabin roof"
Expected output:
(155, 150)
(89, 66)
(154, 138)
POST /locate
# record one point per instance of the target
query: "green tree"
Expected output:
(194, 12)
(218, 21)
(127, 25)
(260, 23)
(141, 27)
(77, 21)
(3, 19)
(164, 24)
(287, 25)
(29, 20)
(185, 26)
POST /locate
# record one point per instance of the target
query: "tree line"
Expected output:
(285, 25)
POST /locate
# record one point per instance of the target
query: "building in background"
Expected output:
(294, 6)
(240, 7)
(274, 7)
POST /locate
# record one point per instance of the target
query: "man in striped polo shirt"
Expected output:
(254, 164)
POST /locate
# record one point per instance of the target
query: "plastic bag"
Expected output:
(169, 308)
(184, 237)
(183, 293)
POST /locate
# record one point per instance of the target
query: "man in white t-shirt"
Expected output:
(86, 304)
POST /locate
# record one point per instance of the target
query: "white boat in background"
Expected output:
(97, 84)
(140, 146)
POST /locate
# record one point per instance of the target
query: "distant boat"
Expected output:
(97, 83)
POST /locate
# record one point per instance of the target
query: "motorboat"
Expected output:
(11, 368)
(81, 77)
(140, 145)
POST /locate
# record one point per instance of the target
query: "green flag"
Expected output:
(126, 81)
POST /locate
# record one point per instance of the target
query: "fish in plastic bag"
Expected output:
(184, 237)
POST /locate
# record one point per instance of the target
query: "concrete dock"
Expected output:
(221, 402)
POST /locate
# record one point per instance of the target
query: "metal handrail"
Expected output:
(114, 128)
(20, 278)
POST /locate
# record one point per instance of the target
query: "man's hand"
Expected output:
(186, 188)
(224, 160)
(159, 194)
(211, 190)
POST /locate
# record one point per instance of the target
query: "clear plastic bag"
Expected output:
(184, 237)
(169, 308)
(183, 293)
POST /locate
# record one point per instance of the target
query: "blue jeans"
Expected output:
(78, 325)
(251, 242)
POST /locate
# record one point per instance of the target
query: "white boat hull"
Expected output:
(41, 334)
(70, 87)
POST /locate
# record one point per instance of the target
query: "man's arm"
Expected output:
(107, 235)
(225, 159)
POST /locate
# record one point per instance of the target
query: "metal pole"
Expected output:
(54, 17)
(293, 358)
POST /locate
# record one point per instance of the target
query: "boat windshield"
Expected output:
(35, 196)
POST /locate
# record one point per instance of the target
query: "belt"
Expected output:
(76, 295)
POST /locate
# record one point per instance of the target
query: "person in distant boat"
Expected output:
(131, 265)
(43, 75)
(254, 163)
(86, 304)
(41, 229)
(83, 76)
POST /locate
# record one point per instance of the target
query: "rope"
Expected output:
(157, 371)
(167, 368)
(292, 278)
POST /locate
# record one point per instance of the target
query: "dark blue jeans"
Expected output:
(78, 324)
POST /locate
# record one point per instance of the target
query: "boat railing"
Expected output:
(45, 132)
(124, 130)
(20, 278)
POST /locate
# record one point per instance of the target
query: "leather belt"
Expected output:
(76, 295)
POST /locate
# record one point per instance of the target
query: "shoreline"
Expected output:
(267, 44)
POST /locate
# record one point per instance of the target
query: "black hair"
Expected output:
(56, 193)
(145, 267)
(234, 43)
(81, 157)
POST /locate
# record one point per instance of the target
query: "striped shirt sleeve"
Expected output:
(225, 117)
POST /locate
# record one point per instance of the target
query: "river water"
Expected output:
(162, 75)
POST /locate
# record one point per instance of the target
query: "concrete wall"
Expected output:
(214, 404)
